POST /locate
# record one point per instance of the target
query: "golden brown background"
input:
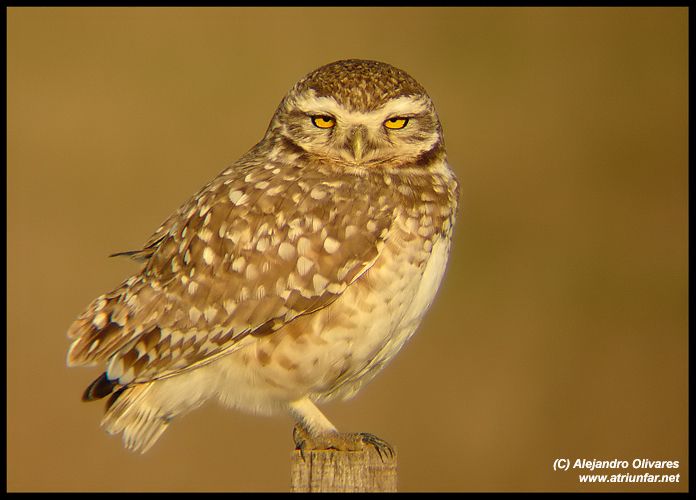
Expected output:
(561, 328)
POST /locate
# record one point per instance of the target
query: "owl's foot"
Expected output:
(348, 441)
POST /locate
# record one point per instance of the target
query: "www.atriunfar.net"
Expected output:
(663, 470)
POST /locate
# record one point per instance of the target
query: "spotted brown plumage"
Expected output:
(294, 275)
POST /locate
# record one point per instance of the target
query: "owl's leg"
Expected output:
(311, 418)
(314, 432)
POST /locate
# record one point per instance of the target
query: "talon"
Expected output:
(299, 436)
(380, 445)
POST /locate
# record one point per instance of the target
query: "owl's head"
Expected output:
(360, 113)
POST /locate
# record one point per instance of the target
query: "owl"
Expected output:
(294, 276)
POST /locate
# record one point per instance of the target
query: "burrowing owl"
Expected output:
(295, 275)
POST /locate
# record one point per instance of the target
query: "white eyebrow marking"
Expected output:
(406, 105)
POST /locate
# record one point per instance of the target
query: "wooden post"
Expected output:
(343, 471)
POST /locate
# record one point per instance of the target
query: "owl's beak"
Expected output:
(356, 142)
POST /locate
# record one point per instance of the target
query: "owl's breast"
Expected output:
(386, 305)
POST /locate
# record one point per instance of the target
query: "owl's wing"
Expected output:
(254, 249)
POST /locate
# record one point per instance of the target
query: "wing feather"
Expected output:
(257, 247)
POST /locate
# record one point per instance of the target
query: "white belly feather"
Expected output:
(429, 283)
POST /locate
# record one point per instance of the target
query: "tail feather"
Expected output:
(100, 388)
(129, 413)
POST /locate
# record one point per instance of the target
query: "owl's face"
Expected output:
(358, 113)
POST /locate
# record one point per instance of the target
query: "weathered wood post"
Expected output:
(343, 471)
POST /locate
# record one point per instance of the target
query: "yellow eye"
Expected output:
(396, 123)
(323, 121)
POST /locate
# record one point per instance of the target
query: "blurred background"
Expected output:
(560, 330)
